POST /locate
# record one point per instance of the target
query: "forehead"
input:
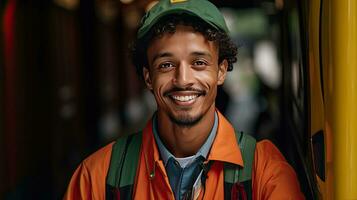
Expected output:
(183, 41)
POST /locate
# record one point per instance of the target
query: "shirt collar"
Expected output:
(203, 151)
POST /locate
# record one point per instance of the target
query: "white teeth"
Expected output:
(184, 98)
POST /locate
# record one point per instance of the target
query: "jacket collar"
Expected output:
(225, 147)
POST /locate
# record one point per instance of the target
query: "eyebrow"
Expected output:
(168, 54)
(201, 53)
(161, 55)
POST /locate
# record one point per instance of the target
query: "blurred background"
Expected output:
(67, 86)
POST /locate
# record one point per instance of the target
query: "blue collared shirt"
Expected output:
(187, 165)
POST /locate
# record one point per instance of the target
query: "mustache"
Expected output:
(179, 89)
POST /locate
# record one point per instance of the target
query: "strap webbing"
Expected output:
(124, 160)
(236, 174)
(247, 147)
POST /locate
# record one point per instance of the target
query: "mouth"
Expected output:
(184, 98)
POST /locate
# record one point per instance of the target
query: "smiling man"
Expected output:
(188, 150)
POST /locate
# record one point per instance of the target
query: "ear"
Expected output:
(222, 71)
(147, 78)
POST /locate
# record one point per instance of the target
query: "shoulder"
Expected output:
(273, 177)
(100, 159)
(267, 151)
(270, 160)
(88, 181)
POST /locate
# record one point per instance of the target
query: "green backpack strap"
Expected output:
(123, 164)
(234, 174)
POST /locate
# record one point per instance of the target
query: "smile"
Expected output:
(184, 98)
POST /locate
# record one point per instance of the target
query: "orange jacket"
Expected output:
(272, 178)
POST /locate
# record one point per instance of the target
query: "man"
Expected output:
(188, 150)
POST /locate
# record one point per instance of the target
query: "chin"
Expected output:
(186, 120)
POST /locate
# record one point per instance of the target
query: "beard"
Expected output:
(185, 120)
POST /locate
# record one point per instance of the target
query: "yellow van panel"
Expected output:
(343, 41)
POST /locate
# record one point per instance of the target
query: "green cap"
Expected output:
(202, 9)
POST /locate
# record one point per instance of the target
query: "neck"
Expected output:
(183, 141)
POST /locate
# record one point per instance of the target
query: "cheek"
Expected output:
(208, 79)
(160, 85)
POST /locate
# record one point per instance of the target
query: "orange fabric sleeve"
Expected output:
(273, 177)
(89, 179)
(80, 185)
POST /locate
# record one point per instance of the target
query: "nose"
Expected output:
(183, 75)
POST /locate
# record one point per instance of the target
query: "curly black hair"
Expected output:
(226, 48)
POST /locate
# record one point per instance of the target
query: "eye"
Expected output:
(199, 63)
(165, 65)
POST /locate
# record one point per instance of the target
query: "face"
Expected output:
(183, 74)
